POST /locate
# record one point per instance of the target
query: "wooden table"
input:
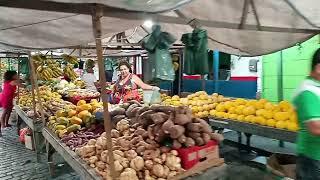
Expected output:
(34, 126)
(54, 144)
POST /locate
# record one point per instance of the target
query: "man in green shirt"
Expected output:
(307, 103)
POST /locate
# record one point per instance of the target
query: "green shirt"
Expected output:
(307, 103)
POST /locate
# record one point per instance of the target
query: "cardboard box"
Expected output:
(28, 142)
(283, 165)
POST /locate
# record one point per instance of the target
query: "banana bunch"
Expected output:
(56, 70)
(68, 70)
(44, 73)
(38, 60)
(70, 59)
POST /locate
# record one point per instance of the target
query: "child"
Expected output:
(7, 95)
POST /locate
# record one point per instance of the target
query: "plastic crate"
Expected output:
(192, 155)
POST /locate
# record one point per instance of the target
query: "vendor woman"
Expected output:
(126, 87)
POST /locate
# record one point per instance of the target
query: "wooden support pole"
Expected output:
(96, 23)
(35, 87)
(18, 96)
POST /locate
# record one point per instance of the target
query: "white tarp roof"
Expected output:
(233, 26)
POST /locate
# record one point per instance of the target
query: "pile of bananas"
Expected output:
(70, 59)
(68, 70)
(46, 68)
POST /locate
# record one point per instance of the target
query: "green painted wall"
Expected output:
(294, 68)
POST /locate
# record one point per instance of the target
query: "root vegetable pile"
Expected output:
(136, 155)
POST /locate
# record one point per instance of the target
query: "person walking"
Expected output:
(6, 97)
(307, 103)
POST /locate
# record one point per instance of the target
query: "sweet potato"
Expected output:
(130, 109)
(161, 108)
(189, 142)
(217, 137)
(176, 131)
(182, 119)
(193, 135)
(182, 138)
(125, 105)
(176, 144)
(150, 132)
(159, 117)
(199, 141)
(194, 127)
(142, 110)
(118, 111)
(206, 137)
(205, 127)
(167, 125)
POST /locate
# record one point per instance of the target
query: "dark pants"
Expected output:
(307, 169)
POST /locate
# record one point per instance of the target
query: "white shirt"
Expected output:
(90, 79)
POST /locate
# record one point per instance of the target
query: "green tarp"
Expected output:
(196, 52)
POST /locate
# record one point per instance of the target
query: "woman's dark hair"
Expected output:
(8, 76)
(125, 63)
(315, 59)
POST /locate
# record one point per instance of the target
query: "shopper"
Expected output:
(126, 87)
(307, 103)
(6, 97)
(90, 79)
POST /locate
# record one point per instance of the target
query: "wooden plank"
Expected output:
(77, 164)
(255, 129)
(96, 25)
(200, 167)
(34, 125)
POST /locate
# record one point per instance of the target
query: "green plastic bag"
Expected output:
(157, 44)
(196, 52)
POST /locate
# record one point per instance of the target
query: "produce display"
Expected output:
(68, 71)
(64, 86)
(73, 118)
(200, 102)
(262, 112)
(51, 102)
(82, 93)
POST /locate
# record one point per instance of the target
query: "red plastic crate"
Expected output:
(192, 155)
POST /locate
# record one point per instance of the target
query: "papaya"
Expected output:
(60, 127)
(81, 102)
(76, 120)
(83, 114)
(73, 128)
(63, 120)
(61, 113)
(72, 113)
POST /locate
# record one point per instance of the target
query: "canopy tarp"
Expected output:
(241, 27)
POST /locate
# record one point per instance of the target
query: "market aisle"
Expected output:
(17, 162)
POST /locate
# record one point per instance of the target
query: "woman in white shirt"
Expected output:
(90, 79)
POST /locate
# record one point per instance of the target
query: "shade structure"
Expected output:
(241, 27)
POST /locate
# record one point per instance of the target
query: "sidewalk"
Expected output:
(17, 162)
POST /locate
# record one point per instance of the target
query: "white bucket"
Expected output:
(151, 97)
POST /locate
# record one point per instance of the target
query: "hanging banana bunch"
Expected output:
(70, 59)
(68, 70)
(56, 70)
(44, 73)
(38, 60)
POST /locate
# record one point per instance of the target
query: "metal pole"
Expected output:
(96, 23)
(216, 70)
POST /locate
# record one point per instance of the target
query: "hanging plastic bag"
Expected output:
(22, 134)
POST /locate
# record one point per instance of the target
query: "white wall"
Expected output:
(240, 68)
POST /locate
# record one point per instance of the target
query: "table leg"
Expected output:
(36, 145)
(281, 144)
(19, 122)
(248, 141)
(50, 151)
